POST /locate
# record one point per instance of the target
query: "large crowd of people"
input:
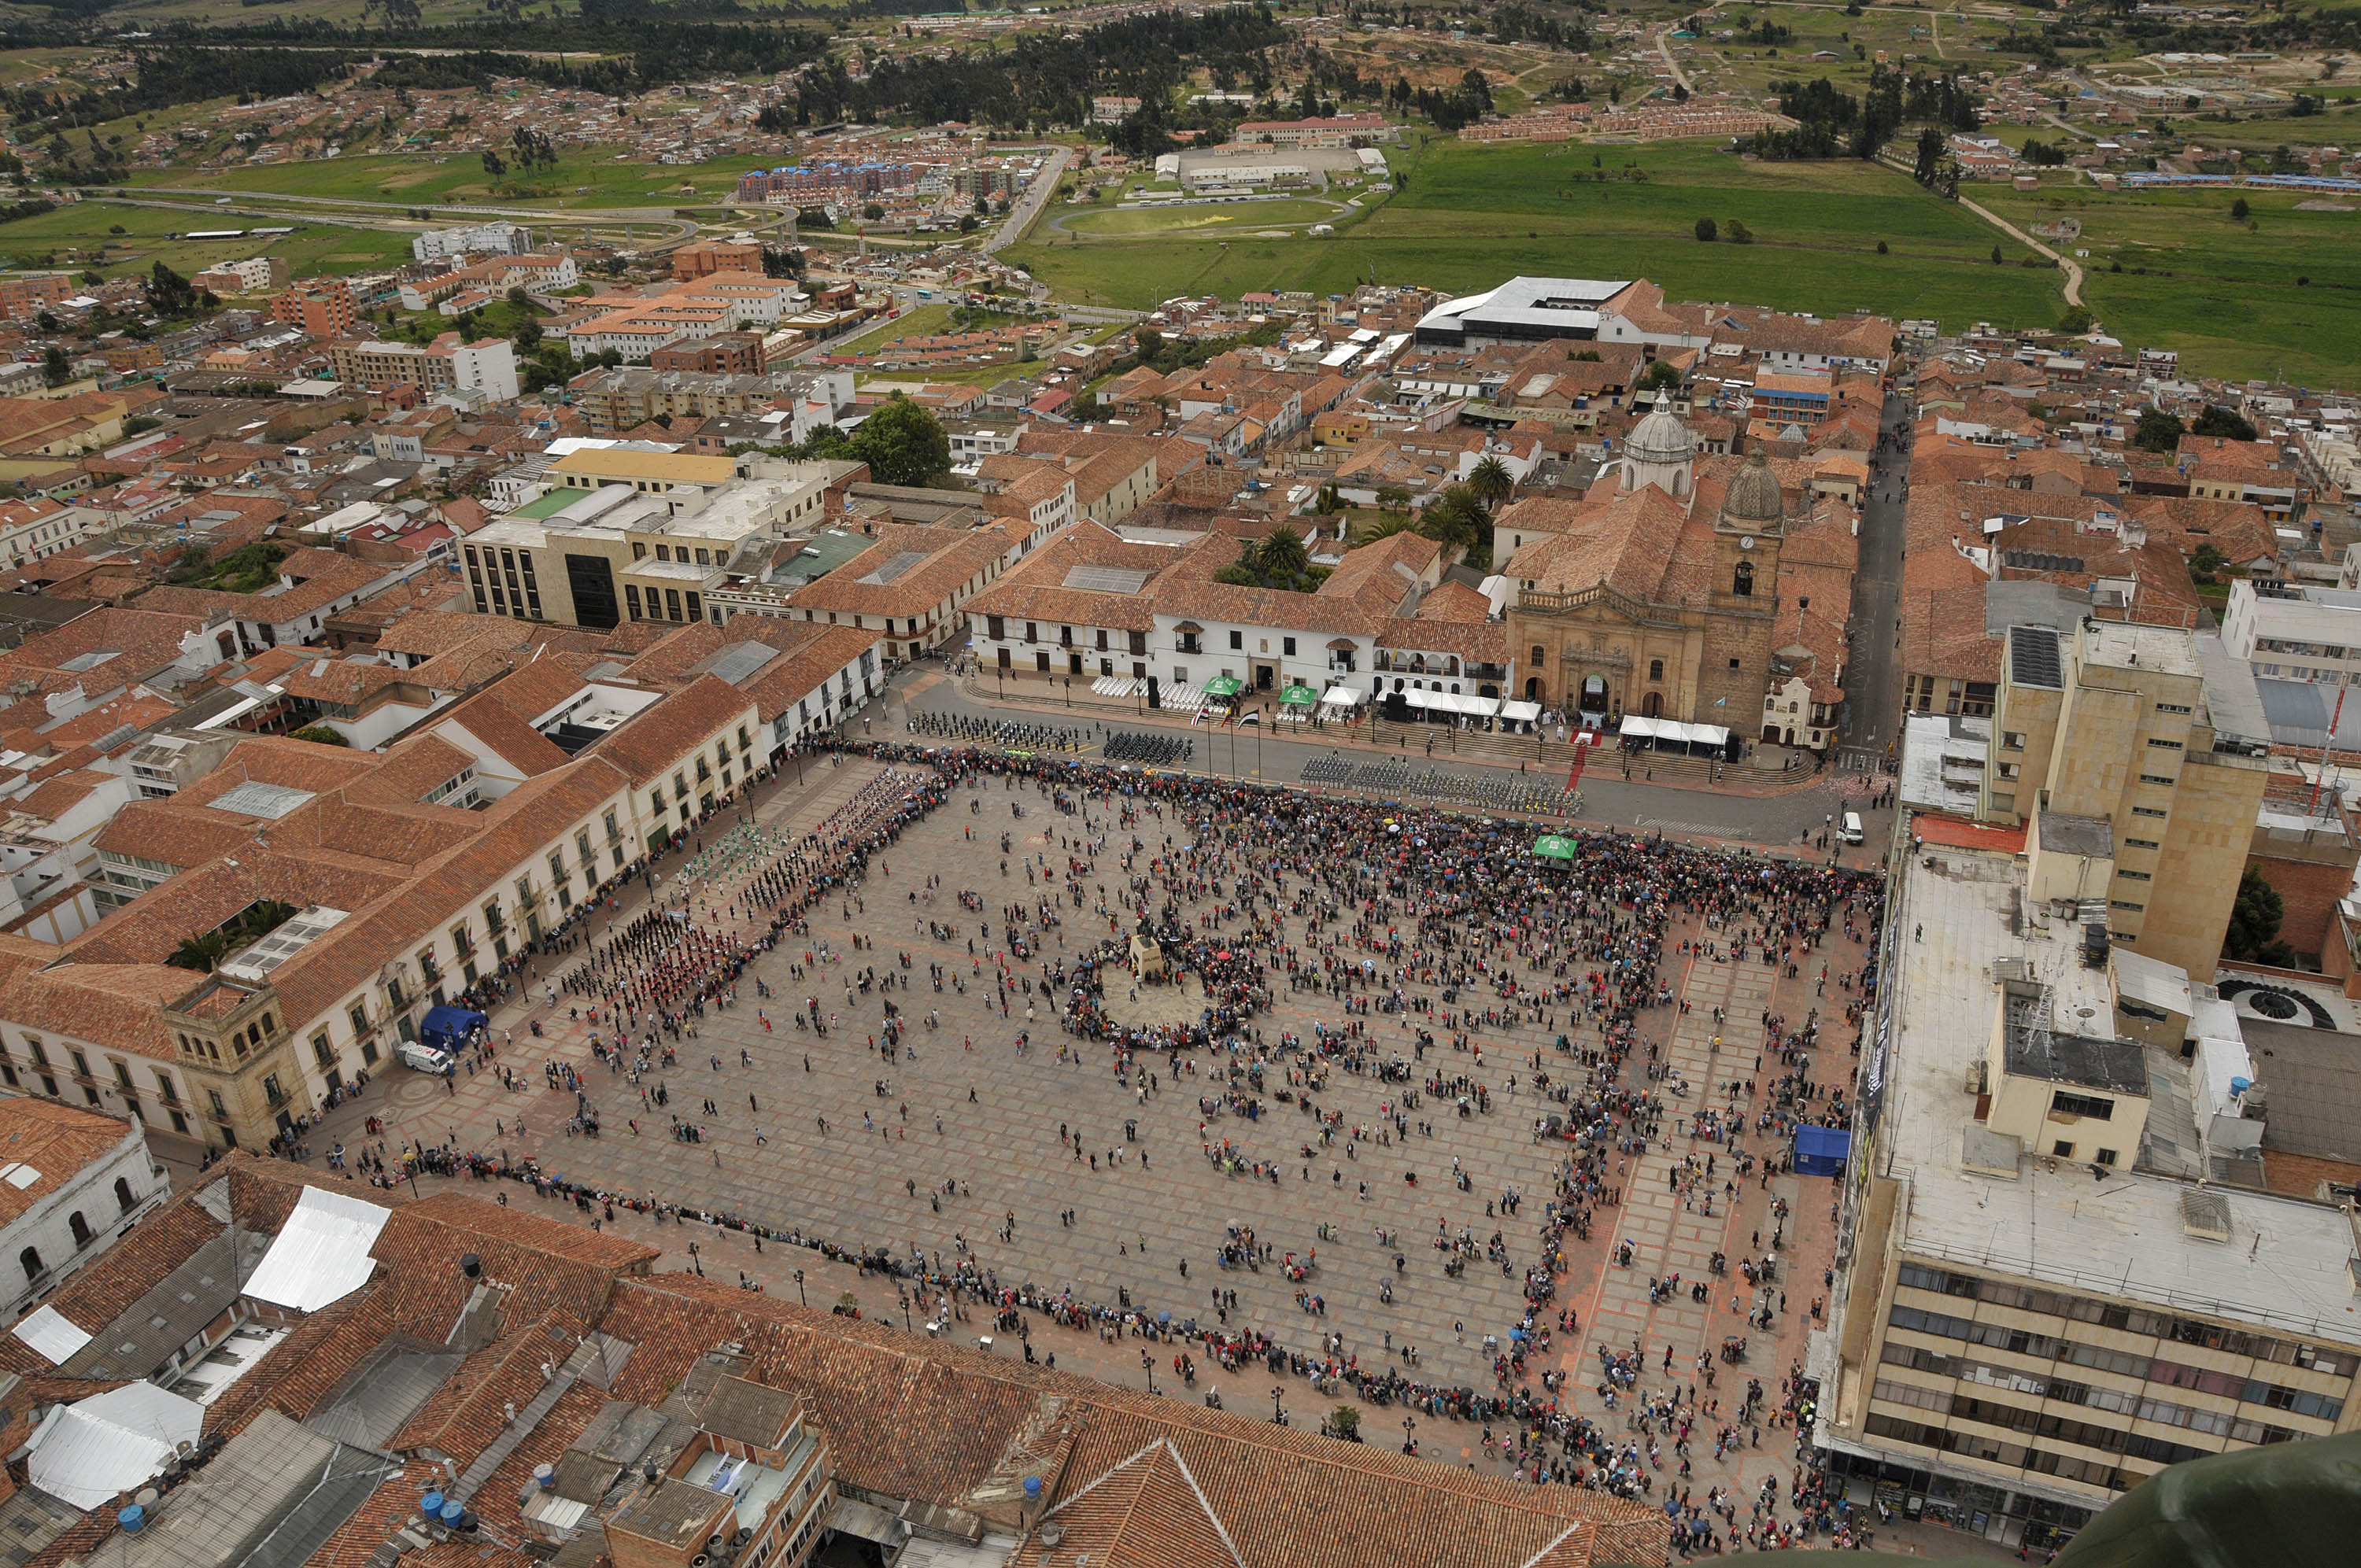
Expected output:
(1449, 927)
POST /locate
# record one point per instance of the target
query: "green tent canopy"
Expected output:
(1223, 685)
(1299, 696)
(1554, 847)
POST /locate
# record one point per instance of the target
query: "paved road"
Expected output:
(1028, 206)
(1874, 683)
(1606, 797)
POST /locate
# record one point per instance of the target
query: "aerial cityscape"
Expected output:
(1347, 783)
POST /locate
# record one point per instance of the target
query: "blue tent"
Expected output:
(1821, 1151)
(448, 1027)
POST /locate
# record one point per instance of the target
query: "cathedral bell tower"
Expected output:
(1747, 536)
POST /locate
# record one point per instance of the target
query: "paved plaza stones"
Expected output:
(966, 1131)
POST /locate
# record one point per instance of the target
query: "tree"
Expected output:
(2253, 930)
(872, 212)
(1661, 376)
(1995, 254)
(1456, 517)
(1930, 156)
(202, 953)
(2157, 431)
(1491, 481)
(56, 369)
(2204, 562)
(903, 444)
(168, 293)
(2238, 209)
(1738, 233)
(319, 735)
(1705, 230)
(2076, 321)
(1344, 1422)
(2215, 420)
(493, 165)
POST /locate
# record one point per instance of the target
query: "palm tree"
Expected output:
(1456, 517)
(200, 953)
(1281, 557)
(1491, 481)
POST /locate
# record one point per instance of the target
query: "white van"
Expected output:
(1851, 833)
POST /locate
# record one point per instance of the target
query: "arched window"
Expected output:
(123, 1193)
(1743, 584)
(81, 1228)
(31, 1258)
(1655, 669)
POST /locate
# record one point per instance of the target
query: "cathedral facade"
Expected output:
(1655, 595)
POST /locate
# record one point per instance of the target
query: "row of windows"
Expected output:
(670, 609)
(48, 1084)
(2035, 1461)
(996, 627)
(2134, 1320)
(2125, 1363)
(2141, 1407)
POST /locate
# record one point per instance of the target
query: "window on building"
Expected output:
(2062, 1103)
(1237, 642)
(2062, 1149)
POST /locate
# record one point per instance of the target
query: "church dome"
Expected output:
(1753, 495)
(1661, 437)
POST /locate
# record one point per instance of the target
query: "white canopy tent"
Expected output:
(1340, 696)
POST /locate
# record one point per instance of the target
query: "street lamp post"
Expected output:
(800, 1299)
(1410, 1435)
(1277, 1412)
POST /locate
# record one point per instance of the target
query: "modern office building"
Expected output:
(2159, 736)
(637, 535)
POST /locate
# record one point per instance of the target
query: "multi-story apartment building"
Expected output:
(487, 365)
(2294, 632)
(2061, 1269)
(322, 307)
(22, 293)
(2139, 728)
(500, 239)
(252, 276)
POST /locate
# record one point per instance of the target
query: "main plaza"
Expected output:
(901, 1083)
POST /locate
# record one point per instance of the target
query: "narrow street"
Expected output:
(1873, 681)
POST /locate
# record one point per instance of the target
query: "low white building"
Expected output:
(2293, 631)
(72, 1181)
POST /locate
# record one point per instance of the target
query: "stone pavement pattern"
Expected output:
(968, 1108)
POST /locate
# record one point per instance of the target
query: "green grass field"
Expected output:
(80, 235)
(2223, 293)
(1190, 222)
(1474, 215)
(580, 180)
